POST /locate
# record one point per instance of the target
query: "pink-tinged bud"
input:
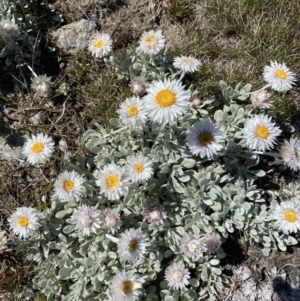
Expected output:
(196, 102)
(138, 86)
(155, 214)
(261, 99)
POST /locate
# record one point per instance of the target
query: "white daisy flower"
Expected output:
(177, 275)
(132, 113)
(87, 220)
(137, 86)
(279, 77)
(192, 245)
(260, 133)
(205, 139)
(187, 64)
(290, 153)
(3, 240)
(100, 45)
(261, 99)
(38, 149)
(212, 242)
(166, 101)
(41, 85)
(24, 221)
(69, 186)
(131, 245)
(125, 286)
(111, 220)
(151, 42)
(155, 214)
(287, 216)
(112, 181)
(139, 168)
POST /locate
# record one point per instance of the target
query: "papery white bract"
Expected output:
(110, 220)
(187, 64)
(192, 245)
(38, 149)
(125, 286)
(139, 168)
(279, 77)
(177, 275)
(100, 45)
(69, 186)
(113, 181)
(212, 242)
(24, 221)
(287, 216)
(137, 86)
(133, 113)
(87, 219)
(166, 101)
(261, 99)
(151, 42)
(290, 153)
(155, 214)
(260, 133)
(131, 245)
(204, 139)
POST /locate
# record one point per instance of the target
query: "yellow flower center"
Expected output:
(281, 74)
(99, 44)
(132, 246)
(139, 168)
(165, 98)
(112, 181)
(150, 40)
(37, 147)
(187, 59)
(290, 216)
(262, 132)
(127, 287)
(205, 138)
(177, 276)
(68, 185)
(133, 111)
(23, 221)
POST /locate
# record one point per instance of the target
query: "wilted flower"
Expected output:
(24, 221)
(192, 245)
(212, 242)
(155, 214)
(287, 216)
(261, 99)
(131, 245)
(137, 86)
(260, 133)
(3, 240)
(41, 84)
(87, 219)
(279, 77)
(38, 149)
(125, 286)
(177, 276)
(290, 153)
(110, 220)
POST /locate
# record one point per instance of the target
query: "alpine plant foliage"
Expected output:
(145, 215)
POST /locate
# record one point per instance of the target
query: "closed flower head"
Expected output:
(110, 220)
(192, 245)
(205, 139)
(290, 153)
(155, 214)
(261, 99)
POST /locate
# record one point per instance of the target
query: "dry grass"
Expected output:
(234, 38)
